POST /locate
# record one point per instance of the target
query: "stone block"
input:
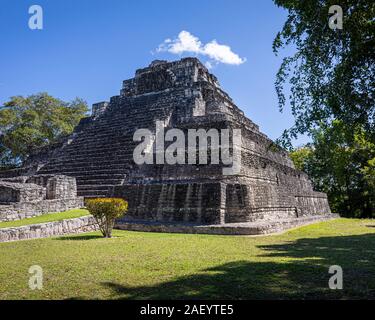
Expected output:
(57, 186)
(20, 192)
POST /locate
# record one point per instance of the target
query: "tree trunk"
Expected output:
(108, 229)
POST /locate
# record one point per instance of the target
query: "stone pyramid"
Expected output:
(183, 95)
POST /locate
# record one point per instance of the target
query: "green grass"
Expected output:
(136, 265)
(49, 217)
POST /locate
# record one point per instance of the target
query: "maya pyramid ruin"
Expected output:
(267, 189)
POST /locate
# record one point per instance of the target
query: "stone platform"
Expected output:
(243, 228)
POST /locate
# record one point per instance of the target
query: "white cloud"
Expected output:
(186, 42)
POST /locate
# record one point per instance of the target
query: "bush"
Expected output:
(106, 211)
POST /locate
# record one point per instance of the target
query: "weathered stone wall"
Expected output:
(19, 192)
(22, 210)
(192, 203)
(312, 203)
(49, 229)
(258, 201)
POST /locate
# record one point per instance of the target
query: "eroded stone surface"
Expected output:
(20, 192)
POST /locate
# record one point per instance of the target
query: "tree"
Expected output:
(30, 122)
(106, 211)
(332, 74)
(300, 157)
(344, 170)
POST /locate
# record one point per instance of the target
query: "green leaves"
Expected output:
(106, 211)
(301, 156)
(329, 84)
(332, 73)
(341, 162)
(30, 122)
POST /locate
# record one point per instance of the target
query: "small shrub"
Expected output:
(106, 211)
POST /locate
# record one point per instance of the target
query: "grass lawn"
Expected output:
(136, 265)
(49, 217)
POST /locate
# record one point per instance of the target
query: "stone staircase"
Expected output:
(100, 156)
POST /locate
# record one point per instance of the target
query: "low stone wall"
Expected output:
(49, 229)
(22, 210)
(243, 228)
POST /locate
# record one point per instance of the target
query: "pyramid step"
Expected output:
(94, 187)
(100, 177)
(103, 158)
(81, 173)
(103, 181)
(92, 194)
(87, 164)
(104, 139)
(87, 149)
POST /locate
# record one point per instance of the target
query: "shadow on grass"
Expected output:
(81, 237)
(301, 272)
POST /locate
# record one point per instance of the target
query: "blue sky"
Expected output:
(88, 47)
